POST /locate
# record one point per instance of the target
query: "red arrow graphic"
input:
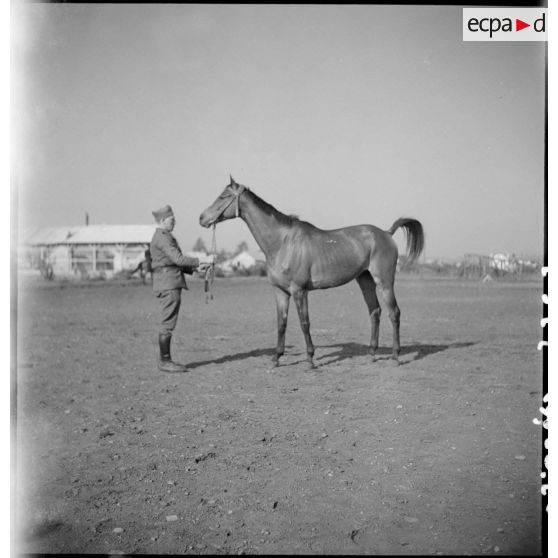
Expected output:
(519, 25)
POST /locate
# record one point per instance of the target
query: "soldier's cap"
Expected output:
(162, 213)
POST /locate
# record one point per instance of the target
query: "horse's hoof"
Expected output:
(373, 358)
(395, 361)
(311, 366)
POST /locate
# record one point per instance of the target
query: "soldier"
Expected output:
(168, 268)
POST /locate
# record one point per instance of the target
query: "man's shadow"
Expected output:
(235, 357)
(343, 351)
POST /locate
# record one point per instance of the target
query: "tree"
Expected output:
(222, 256)
(242, 247)
(199, 246)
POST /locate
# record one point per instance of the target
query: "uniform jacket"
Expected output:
(168, 263)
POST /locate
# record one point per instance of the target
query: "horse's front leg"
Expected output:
(301, 301)
(282, 300)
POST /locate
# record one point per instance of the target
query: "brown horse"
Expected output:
(300, 257)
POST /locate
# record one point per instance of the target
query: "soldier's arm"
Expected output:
(188, 264)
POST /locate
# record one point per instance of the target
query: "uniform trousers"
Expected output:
(169, 302)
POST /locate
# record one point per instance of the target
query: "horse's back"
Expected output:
(360, 247)
(376, 241)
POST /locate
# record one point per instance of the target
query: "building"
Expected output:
(242, 261)
(90, 251)
(504, 262)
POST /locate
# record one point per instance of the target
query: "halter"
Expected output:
(235, 197)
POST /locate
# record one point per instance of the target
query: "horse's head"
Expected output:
(226, 206)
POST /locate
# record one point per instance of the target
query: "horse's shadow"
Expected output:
(418, 350)
(344, 351)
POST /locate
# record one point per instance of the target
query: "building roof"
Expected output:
(244, 259)
(48, 235)
(90, 234)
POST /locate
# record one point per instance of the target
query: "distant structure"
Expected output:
(243, 262)
(505, 262)
(91, 251)
(479, 265)
(475, 265)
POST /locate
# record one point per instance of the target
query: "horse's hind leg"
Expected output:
(282, 300)
(368, 288)
(301, 301)
(394, 315)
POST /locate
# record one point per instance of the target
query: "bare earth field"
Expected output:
(437, 456)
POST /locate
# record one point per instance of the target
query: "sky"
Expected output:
(341, 115)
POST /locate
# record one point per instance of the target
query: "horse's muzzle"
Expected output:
(205, 221)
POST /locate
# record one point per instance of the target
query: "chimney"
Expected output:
(86, 219)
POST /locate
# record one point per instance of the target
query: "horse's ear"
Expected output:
(232, 179)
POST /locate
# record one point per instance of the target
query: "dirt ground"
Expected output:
(437, 456)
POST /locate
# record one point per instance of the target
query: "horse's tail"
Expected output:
(414, 233)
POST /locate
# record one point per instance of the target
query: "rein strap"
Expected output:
(210, 271)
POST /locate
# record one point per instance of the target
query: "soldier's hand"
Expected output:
(207, 260)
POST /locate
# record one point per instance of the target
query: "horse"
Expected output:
(144, 267)
(301, 257)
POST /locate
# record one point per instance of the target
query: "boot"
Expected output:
(165, 362)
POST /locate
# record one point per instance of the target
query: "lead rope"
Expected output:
(210, 271)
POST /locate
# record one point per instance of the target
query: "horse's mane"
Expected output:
(270, 210)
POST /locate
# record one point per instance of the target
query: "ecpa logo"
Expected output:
(504, 24)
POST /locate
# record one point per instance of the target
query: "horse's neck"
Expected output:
(266, 224)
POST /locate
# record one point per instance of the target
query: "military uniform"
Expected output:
(168, 267)
(168, 263)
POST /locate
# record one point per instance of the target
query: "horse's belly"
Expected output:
(325, 277)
